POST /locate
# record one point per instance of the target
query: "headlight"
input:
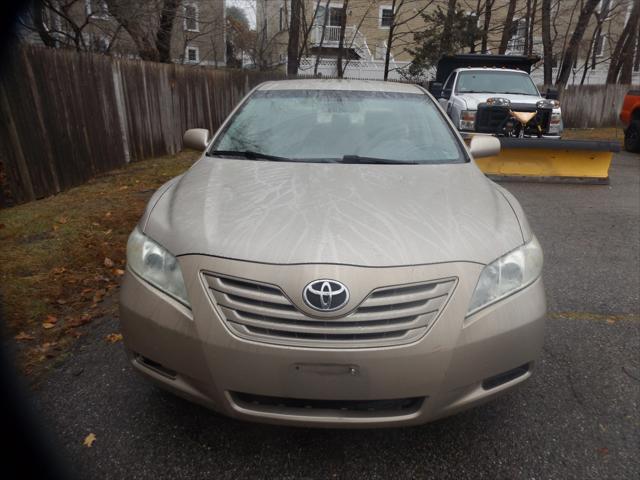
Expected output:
(156, 265)
(507, 274)
(546, 103)
(499, 102)
(467, 120)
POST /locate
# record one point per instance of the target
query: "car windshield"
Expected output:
(496, 82)
(339, 126)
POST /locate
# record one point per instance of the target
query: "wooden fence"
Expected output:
(65, 117)
(592, 106)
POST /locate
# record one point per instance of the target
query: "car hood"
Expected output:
(474, 99)
(370, 215)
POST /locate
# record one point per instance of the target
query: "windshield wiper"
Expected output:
(251, 155)
(357, 159)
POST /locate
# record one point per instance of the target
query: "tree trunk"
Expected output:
(324, 28)
(343, 28)
(572, 48)
(488, 7)
(165, 29)
(532, 25)
(38, 20)
(527, 20)
(547, 44)
(387, 53)
(448, 25)
(294, 38)
(508, 25)
(624, 48)
(625, 44)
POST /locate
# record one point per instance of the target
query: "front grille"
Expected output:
(387, 316)
(401, 406)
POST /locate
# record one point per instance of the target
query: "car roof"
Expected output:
(490, 69)
(342, 84)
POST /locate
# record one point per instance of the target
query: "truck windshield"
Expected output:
(339, 126)
(496, 82)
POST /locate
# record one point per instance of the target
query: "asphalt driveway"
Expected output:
(577, 417)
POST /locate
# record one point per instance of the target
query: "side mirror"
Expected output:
(435, 89)
(552, 94)
(196, 138)
(484, 146)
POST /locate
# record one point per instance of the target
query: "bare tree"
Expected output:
(448, 24)
(66, 23)
(571, 51)
(149, 24)
(547, 44)
(508, 26)
(488, 8)
(621, 64)
(293, 47)
(402, 13)
(341, 49)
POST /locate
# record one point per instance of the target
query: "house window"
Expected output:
(599, 46)
(282, 20)
(97, 8)
(192, 55)
(386, 17)
(191, 17)
(335, 16)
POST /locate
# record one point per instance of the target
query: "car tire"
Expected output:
(632, 137)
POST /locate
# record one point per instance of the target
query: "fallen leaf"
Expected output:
(108, 262)
(76, 322)
(108, 214)
(61, 301)
(114, 337)
(118, 271)
(89, 439)
(62, 220)
(49, 322)
(610, 321)
(58, 270)
(603, 451)
(23, 336)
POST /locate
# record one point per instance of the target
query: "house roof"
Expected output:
(341, 84)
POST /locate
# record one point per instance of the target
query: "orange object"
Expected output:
(630, 107)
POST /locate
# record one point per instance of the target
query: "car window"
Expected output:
(496, 82)
(327, 125)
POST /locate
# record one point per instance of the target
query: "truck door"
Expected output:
(447, 90)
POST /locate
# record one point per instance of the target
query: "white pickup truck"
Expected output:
(494, 94)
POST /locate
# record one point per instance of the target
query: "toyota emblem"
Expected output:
(325, 295)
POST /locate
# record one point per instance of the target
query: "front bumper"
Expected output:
(194, 354)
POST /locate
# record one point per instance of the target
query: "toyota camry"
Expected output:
(335, 258)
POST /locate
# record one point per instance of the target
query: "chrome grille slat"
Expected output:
(406, 295)
(335, 341)
(261, 293)
(390, 315)
(326, 327)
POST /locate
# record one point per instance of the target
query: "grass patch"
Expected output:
(62, 257)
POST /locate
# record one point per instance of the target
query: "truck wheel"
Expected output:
(632, 137)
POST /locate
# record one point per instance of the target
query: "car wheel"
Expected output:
(632, 137)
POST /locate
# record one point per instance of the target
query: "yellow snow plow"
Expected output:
(551, 160)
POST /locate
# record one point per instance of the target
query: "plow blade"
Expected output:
(550, 160)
